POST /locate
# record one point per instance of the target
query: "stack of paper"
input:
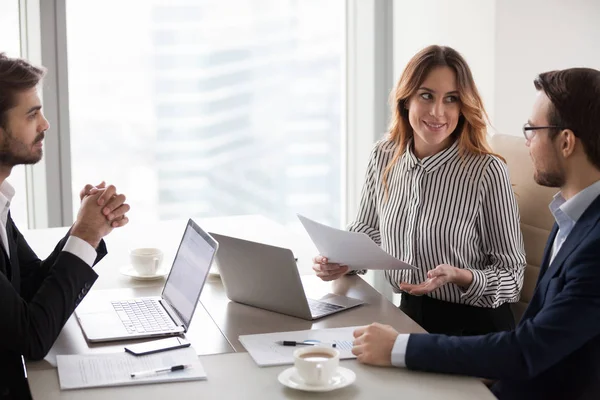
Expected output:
(265, 350)
(115, 369)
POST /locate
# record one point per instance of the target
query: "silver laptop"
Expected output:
(267, 277)
(103, 319)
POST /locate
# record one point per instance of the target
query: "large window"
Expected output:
(10, 44)
(209, 107)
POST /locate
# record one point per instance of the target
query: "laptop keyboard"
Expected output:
(143, 315)
(319, 307)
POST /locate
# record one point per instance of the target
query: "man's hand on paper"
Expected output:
(438, 277)
(373, 344)
(327, 271)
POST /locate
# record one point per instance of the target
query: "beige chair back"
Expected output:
(533, 200)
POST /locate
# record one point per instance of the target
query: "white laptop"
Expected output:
(105, 319)
(267, 277)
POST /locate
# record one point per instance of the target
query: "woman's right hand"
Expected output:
(327, 271)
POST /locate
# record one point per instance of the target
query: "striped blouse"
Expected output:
(446, 209)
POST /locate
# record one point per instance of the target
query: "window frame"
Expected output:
(44, 42)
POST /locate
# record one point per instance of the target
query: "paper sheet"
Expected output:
(354, 249)
(265, 351)
(114, 369)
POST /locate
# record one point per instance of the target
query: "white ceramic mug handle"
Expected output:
(319, 372)
(156, 260)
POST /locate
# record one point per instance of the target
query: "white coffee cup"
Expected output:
(146, 261)
(316, 365)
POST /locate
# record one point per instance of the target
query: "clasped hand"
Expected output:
(102, 209)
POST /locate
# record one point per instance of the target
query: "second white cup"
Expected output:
(146, 261)
(316, 365)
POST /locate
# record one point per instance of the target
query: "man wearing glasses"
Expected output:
(554, 352)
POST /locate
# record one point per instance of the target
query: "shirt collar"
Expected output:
(562, 219)
(431, 163)
(7, 192)
(576, 205)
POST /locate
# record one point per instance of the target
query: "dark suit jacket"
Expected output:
(36, 300)
(554, 352)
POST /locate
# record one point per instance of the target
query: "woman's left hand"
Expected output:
(438, 277)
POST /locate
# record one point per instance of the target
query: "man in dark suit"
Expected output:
(554, 352)
(37, 297)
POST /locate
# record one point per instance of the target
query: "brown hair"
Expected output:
(471, 128)
(575, 97)
(15, 75)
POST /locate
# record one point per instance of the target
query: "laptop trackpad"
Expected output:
(339, 300)
(101, 325)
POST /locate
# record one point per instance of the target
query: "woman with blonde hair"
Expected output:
(436, 197)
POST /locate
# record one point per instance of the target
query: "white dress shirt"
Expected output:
(74, 245)
(565, 212)
(7, 192)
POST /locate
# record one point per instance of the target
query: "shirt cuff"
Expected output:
(477, 287)
(82, 249)
(399, 350)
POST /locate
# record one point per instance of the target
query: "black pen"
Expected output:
(150, 372)
(294, 343)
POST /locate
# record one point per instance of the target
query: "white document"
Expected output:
(354, 249)
(266, 352)
(115, 369)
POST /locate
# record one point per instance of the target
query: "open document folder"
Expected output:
(354, 249)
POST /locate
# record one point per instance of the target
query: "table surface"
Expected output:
(235, 376)
(218, 323)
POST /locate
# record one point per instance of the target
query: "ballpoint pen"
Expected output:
(305, 343)
(150, 372)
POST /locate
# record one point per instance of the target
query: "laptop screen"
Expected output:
(189, 271)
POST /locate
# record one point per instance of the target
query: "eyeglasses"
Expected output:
(529, 130)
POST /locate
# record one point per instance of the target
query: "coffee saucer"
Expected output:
(342, 378)
(129, 271)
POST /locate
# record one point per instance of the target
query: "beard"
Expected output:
(549, 178)
(15, 152)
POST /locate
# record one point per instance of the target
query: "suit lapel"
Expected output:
(6, 268)
(535, 304)
(548, 251)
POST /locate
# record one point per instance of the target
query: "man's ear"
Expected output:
(568, 142)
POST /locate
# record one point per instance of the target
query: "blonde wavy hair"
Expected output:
(471, 130)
